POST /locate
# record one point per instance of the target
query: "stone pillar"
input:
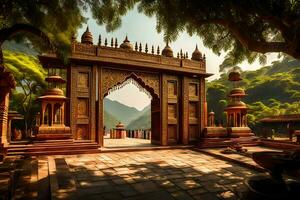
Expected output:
(4, 103)
(211, 119)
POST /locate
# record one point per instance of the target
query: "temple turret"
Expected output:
(236, 109)
(126, 44)
(87, 37)
(167, 51)
(52, 115)
(197, 55)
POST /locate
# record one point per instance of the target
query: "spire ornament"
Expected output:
(126, 44)
(99, 40)
(116, 43)
(87, 37)
(167, 51)
(197, 55)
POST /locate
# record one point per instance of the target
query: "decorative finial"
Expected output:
(158, 51)
(105, 42)
(167, 51)
(146, 48)
(126, 38)
(204, 57)
(181, 54)
(136, 46)
(126, 44)
(99, 40)
(112, 42)
(87, 37)
(140, 47)
(197, 55)
(178, 55)
(152, 50)
(186, 55)
(116, 43)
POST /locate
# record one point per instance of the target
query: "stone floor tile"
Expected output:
(144, 187)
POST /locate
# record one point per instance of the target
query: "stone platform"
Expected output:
(165, 174)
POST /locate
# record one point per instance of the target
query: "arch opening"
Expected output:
(128, 114)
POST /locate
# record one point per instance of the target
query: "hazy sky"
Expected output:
(140, 28)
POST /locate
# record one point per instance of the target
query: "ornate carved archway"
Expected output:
(175, 84)
(114, 79)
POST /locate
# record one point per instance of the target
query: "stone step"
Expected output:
(54, 148)
(57, 152)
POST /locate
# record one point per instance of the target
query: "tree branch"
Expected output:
(247, 41)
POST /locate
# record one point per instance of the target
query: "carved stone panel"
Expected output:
(82, 132)
(193, 111)
(172, 132)
(193, 132)
(193, 89)
(83, 80)
(172, 88)
(172, 111)
(114, 77)
(82, 108)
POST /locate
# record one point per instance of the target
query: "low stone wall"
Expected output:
(141, 134)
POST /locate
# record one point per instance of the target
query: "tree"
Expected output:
(243, 29)
(30, 78)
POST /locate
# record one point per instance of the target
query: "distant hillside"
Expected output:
(109, 121)
(120, 111)
(132, 118)
(19, 47)
(272, 90)
(142, 121)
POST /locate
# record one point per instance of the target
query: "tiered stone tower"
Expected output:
(52, 118)
(236, 129)
(237, 109)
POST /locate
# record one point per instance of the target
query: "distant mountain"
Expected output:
(19, 47)
(109, 121)
(142, 121)
(123, 113)
(115, 112)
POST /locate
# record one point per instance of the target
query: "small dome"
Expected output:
(234, 75)
(237, 92)
(197, 55)
(167, 51)
(236, 104)
(87, 37)
(54, 79)
(211, 113)
(120, 126)
(126, 44)
(54, 91)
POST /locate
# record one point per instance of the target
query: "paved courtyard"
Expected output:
(161, 174)
(126, 143)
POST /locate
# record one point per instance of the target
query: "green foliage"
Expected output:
(30, 78)
(120, 111)
(142, 120)
(242, 29)
(271, 90)
(110, 121)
